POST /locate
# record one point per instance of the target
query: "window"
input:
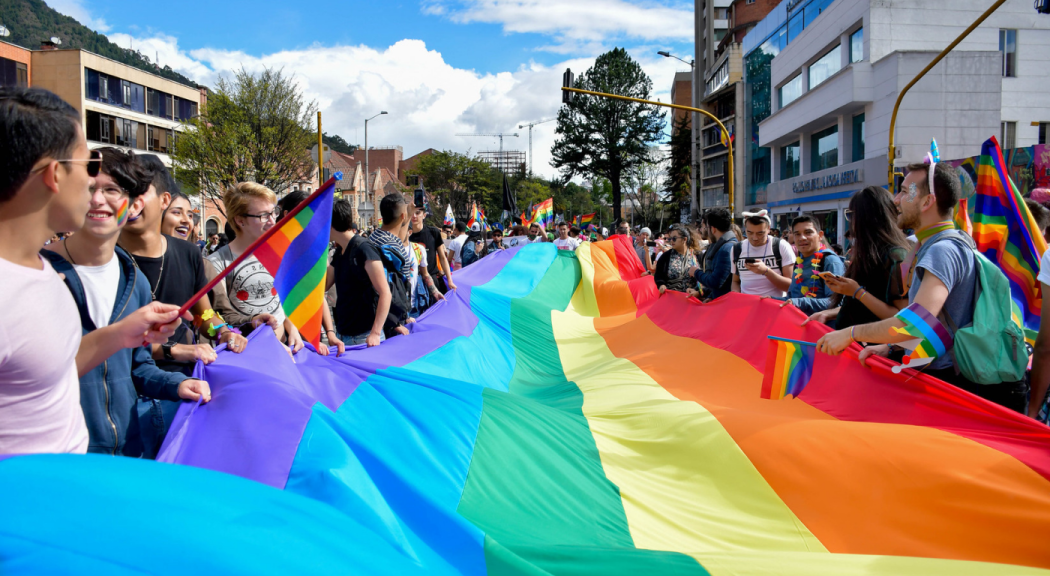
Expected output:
(790, 92)
(1008, 135)
(126, 93)
(824, 149)
(1008, 48)
(103, 88)
(750, 2)
(13, 73)
(858, 137)
(822, 69)
(856, 46)
(713, 167)
(1044, 127)
(795, 26)
(721, 13)
(790, 156)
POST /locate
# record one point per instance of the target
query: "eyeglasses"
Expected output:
(265, 215)
(675, 238)
(848, 215)
(113, 192)
(94, 163)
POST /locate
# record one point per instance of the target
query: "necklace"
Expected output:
(68, 253)
(160, 274)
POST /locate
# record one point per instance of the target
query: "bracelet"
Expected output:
(851, 333)
(332, 331)
(859, 288)
(214, 330)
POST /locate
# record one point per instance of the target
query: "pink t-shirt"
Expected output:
(39, 388)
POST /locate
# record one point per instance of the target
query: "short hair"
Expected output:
(757, 221)
(391, 206)
(237, 197)
(162, 179)
(127, 171)
(1040, 213)
(719, 219)
(293, 199)
(803, 219)
(342, 215)
(560, 224)
(574, 231)
(461, 226)
(34, 124)
(947, 187)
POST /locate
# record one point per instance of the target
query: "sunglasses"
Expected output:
(94, 163)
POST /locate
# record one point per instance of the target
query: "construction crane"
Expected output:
(500, 135)
(530, 125)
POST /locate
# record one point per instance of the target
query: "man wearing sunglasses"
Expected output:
(46, 176)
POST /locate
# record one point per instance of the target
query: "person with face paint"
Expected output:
(107, 287)
(177, 220)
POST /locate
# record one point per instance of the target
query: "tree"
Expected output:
(676, 185)
(255, 128)
(606, 137)
(337, 143)
(644, 181)
(458, 179)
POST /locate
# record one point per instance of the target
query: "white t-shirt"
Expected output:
(39, 388)
(456, 246)
(100, 288)
(566, 244)
(751, 283)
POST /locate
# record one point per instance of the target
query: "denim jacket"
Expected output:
(808, 292)
(717, 273)
(109, 392)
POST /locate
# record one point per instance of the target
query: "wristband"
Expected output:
(332, 331)
(214, 330)
(851, 333)
(859, 288)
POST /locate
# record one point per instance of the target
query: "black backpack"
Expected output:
(739, 248)
(400, 303)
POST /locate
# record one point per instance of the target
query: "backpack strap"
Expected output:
(776, 254)
(738, 249)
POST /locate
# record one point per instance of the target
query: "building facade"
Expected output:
(823, 77)
(15, 65)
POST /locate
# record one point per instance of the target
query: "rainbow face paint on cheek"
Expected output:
(122, 213)
(913, 192)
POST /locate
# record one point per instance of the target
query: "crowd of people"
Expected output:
(98, 250)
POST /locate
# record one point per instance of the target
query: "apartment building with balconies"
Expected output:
(823, 77)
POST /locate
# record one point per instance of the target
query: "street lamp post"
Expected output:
(368, 191)
(694, 131)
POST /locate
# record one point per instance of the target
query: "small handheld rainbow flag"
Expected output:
(930, 340)
(297, 257)
(789, 366)
(544, 213)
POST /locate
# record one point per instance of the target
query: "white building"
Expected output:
(836, 73)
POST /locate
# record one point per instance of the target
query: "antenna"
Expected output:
(56, 40)
(4, 31)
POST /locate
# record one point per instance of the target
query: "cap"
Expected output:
(475, 227)
(646, 231)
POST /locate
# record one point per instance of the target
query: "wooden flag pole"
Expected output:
(330, 184)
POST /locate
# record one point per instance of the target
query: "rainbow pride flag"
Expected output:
(1006, 233)
(554, 416)
(587, 219)
(789, 367)
(297, 257)
(543, 213)
(930, 339)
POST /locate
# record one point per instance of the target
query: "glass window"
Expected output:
(858, 137)
(1008, 135)
(824, 149)
(22, 72)
(714, 167)
(794, 27)
(824, 68)
(790, 91)
(103, 88)
(856, 46)
(91, 84)
(812, 11)
(1043, 128)
(790, 156)
(125, 93)
(1008, 49)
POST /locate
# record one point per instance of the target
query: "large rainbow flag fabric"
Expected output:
(555, 416)
(297, 257)
(1006, 233)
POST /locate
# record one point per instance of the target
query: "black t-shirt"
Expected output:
(355, 310)
(180, 272)
(429, 236)
(884, 283)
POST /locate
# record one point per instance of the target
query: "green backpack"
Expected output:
(991, 349)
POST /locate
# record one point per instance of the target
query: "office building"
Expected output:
(823, 77)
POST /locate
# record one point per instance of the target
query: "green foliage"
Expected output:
(32, 21)
(256, 128)
(602, 137)
(336, 142)
(676, 185)
(457, 179)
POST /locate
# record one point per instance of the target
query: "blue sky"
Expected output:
(438, 66)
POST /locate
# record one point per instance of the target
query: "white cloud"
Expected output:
(575, 23)
(75, 9)
(429, 101)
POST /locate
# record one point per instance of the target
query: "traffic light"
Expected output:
(566, 82)
(1042, 6)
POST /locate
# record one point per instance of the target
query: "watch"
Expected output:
(166, 348)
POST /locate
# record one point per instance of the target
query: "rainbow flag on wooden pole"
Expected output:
(1006, 233)
(544, 213)
(789, 367)
(295, 252)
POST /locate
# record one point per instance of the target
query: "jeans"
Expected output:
(359, 339)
